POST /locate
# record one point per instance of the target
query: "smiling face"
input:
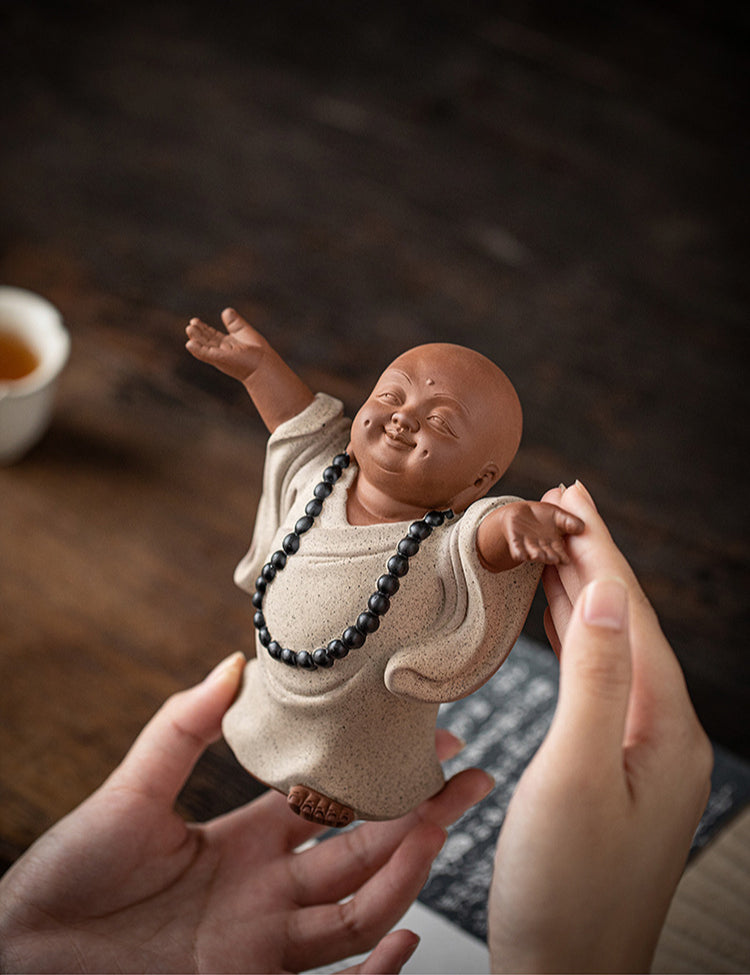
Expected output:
(440, 427)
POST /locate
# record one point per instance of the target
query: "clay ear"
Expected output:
(484, 617)
(477, 489)
(487, 478)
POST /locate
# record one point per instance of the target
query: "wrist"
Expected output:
(493, 542)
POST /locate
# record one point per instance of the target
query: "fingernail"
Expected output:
(606, 604)
(456, 747)
(231, 663)
(585, 491)
(408, 952)
(562, 486)
(491, 782)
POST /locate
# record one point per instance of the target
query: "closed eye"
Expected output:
(390, 397)
(441, 424)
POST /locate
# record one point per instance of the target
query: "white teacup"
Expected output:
(26, 402)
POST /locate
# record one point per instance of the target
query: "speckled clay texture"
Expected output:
(362, 732)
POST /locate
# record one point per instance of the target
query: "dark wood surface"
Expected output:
(564, 191)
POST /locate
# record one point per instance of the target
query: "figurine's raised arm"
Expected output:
(525, 531)
(276, 390)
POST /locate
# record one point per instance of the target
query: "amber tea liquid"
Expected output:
(17, 359)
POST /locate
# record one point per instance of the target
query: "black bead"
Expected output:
(420, 530)
(257, 599)
(379, 603)
(353, 638)
(303, 525)
(260, 584)
(259, 620)
(397, 565)
(367, 622)
(322, 490)
(313, 508)
(321, 658)
(274, 648)
(388, 585)
(264, 635)
(278, 560)
(304, 659)
(337, 649)
(291, 543)
(341, 460)
(268, 572)
(434, 518)
(408, 547)
(332, 474)
(288, 657)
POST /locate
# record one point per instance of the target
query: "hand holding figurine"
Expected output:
(600, 826)
(123, 883)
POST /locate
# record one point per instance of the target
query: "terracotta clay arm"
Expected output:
(525, 531)
(241, 352)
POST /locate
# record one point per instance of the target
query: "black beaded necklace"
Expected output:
(377, 605)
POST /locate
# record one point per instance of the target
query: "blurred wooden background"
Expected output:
(562, 186)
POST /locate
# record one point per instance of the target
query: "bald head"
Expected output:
(442, 424)
(483, 388)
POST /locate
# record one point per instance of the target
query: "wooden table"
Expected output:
(562, 192)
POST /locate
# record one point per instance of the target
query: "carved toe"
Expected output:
(317, 808)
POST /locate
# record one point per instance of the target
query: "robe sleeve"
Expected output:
(311, 438)
(483, 615)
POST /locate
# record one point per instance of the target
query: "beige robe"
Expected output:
(362, 732)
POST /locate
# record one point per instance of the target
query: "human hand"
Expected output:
(525, 531)
(600, 826)
(124, 884)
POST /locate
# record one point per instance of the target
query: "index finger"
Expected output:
(326, 931)
(593, 553)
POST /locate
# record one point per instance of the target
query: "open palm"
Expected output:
(537, 532)
(237, 352)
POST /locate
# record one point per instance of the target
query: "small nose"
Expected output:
(405, 421)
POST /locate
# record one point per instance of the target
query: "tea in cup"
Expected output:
(34, 347)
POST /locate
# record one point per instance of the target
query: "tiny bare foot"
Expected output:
(317, 808)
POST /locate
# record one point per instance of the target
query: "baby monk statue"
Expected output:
(383, 581)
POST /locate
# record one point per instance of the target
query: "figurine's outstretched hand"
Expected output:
(526, 531)
(238, 352)
(242, 353)
(123, 883)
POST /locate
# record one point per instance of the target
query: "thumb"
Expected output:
(164, 753)
(595, 673)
